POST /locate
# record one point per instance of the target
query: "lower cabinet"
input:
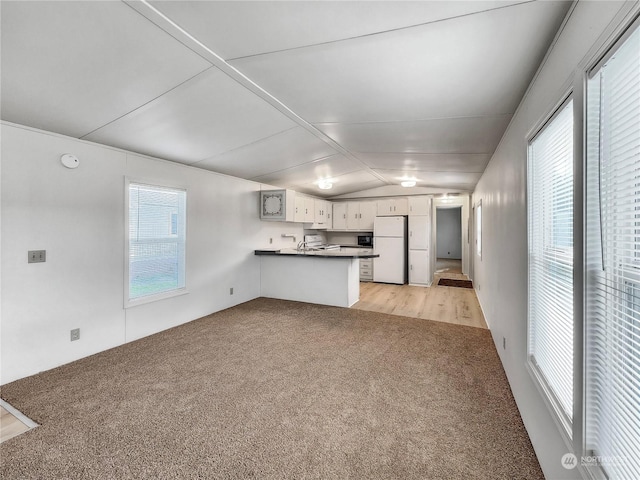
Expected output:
(419, 267)
(366, 269)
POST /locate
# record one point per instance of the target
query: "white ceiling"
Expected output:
(364, 93)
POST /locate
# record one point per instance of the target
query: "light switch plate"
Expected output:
(37, 256)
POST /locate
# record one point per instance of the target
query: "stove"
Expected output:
(316, 242)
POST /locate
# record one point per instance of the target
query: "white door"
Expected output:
(389, 267)
(419, 266)
(418, 232)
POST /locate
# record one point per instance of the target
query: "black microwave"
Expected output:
(365, 240)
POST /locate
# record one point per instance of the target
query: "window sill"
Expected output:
(154, 298)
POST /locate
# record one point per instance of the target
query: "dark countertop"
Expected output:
(343, 252)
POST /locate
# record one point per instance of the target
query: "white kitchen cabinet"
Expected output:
(368, 211)
(419, 246)
(277, 205)
(321, 211)
(366, 268)
(329, 221)
(419, 229)
(340, 216)
(360, 216)
(309, 210)
(353, 215)
(420, 205)
(419, 267)
(299, 213)
(393, 206)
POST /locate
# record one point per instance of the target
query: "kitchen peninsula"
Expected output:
(327, 277)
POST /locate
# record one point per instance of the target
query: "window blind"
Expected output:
(550, 230)
(156, 240)
(479, 229)
(612, 349)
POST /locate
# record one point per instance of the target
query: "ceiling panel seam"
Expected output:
(422, 152)
(373, 122)
(381, 32)
(148, 102)
(246, 145)
(315, 160)
(176, 31)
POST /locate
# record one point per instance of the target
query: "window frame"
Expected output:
(596, 470)
(551, 400)
(478, 232)
(127, 301)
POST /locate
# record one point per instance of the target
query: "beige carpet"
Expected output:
(275, 389)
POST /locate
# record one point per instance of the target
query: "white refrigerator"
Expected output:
(390, 242)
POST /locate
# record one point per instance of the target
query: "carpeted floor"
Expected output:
(276, 389)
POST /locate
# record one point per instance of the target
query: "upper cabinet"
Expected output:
(277, 205)
(359, 216)
(419, 205)
(321, 208)
(339, 216)
(393, 206)
(309, 210)
(299, 214)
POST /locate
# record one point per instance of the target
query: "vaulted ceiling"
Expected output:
(362, 93)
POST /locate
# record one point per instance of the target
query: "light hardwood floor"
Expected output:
(442, 304)
(10, 426)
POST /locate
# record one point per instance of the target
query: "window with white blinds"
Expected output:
(479, 229)
(550, 230)
(156, 246)
(612, 347)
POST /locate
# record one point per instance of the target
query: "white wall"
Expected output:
(449, 233)
(77, 216)
(501, 275)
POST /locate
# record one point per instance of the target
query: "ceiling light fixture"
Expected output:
(408, 183)
(324, 184)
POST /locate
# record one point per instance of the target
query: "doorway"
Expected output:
(449, 239)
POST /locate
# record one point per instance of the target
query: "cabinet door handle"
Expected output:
(360, 216)
(411, 267)
(411, 234)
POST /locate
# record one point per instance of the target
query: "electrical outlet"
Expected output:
(504, 343)
(75, 334)
(231, 291)
(37, 256)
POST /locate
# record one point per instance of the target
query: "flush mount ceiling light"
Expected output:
(324, 184)
(408, 183)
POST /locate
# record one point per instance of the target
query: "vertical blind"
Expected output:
(156, 240)
(612, 366)
(550, 229)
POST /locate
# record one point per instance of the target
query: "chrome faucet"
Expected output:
(301, 245)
